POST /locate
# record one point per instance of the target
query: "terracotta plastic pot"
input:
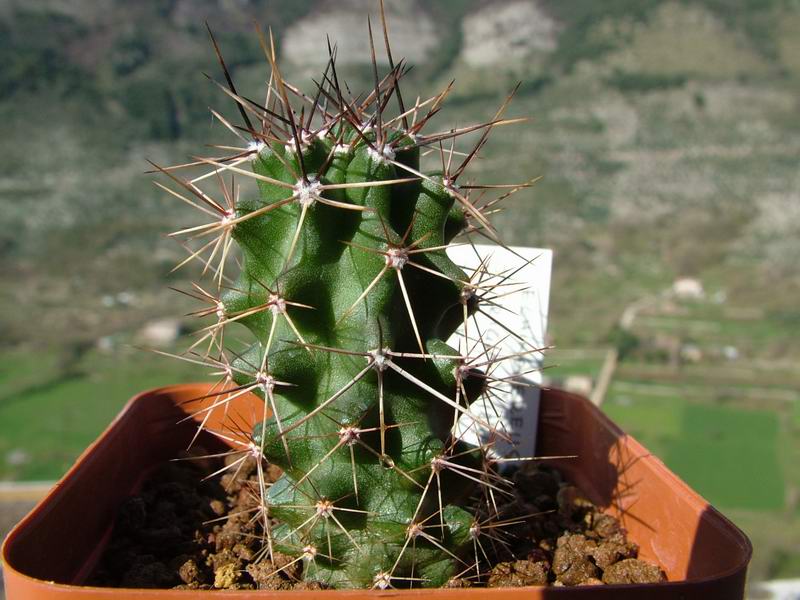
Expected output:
(53, 550)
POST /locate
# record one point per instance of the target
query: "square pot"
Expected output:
(54, 549)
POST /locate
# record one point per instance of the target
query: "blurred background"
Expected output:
(667, 132)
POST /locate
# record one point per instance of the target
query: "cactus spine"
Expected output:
(349, 296)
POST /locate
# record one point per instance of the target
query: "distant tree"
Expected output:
(625, 341)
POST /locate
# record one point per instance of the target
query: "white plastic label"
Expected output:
(505, 335)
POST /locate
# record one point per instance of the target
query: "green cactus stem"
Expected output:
(349, 296)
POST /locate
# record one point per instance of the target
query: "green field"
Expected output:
(729, 455)
(47, 418)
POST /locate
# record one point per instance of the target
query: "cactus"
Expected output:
(349, 295)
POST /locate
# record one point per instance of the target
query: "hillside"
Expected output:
(666, 132)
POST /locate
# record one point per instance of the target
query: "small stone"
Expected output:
(266, 577)
(224, 558)
(190, 573)
(633, 570)
(243, 552)
(571, 563)
(217, 507)
(226, 576)
(605, 525)
(609, 551)
(227, 537)
(518, 573)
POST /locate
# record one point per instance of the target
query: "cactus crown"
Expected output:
(350, 297)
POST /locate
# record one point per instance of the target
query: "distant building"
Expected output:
(688, 288)
(578, 384)
(691, 353)
(730, 352)
(162, 332)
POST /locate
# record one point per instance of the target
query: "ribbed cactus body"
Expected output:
(359, 423)
(346, 300)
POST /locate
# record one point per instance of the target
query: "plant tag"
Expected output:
(505, 339)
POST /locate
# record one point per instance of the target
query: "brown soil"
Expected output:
(186, 531)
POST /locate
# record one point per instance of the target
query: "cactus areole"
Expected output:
(349, 296)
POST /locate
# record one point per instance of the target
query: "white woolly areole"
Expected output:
(475, 530)
(255, 147)
(450, 186)
(380, 358)
(414, 530)
(254, 450)
(220, 311)
(265, 381)
(349, 435)
(382, 580)
(228, 216)
(277, 305)
(305, 138)
(324, 508)
(309, 552)
(342, 149)
(307, 193)
(462, 372)
(437, 464)
(467, 294)
(386, 154)
(396, 258)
